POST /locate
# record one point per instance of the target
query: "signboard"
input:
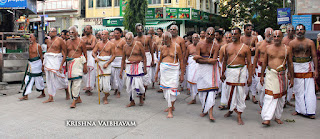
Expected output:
(195, 14)
(97, 21)
(19, 4)
(184, 13)
(113, 22)
(204, 16)
(154, 13)
(283, 16)
(172, 12)
(123, 4)
(306, 20)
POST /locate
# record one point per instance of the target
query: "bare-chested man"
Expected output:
(218, 35)
(98, 36)
(159, 44)
(146, 42)
(117, 83)
(234, 71)
(180, 41)
(192, 67)
(90, 77)
(35, 68)
(224, 95)
(111, 36)
(304, 57)
(276, 56)
(208, 76)
(77, 64)
(286, 40)
(154, 45)
(170, 61)
(53, 63)
(202, 35)
(106, 54)
(134, 61)
(257, 63)
(250, 41)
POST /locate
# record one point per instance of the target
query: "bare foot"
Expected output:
(254, 100)
(105, 100)
(78, 100)
(223, 107)
(248, 97)
(115, 92)
(203, 114)
(49, 100)
(41, 96)
(144, 96)
(278, 121)
(167, 109)
(89, 93)
(131, 104)
(211, 118)
(192, 102)
(312, 117)
(228, 114)
(295, 113)
(169, 115)
(24, 98)
(288, 103)
(240, 122)
(67, 95)
(73, 104)
(141, 101)
(267, 122)
(160, 91)
(118, 95)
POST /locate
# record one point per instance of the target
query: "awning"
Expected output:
(101, 28)
(162, 24)
(47, 19)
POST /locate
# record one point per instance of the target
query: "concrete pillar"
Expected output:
(183, 28)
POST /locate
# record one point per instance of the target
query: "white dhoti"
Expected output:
(191, 76)
(223, 89)
(117, 83)
(236, 78)
(90, 77)
(54, 78)
(169, 81)
(304, 88)
(33, 76)
(75, 73)
(134, 81)
(260, 88)
(208, 78)
(147, 78)
(154, 69)
(104, 74)
(275, 92)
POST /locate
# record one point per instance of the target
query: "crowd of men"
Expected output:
(210, 64)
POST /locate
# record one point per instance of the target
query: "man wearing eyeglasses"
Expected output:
(286, 40)
(207, 73)
(276, 57)
(250, 41)
(236, 66)
(305, 71)
(77, 65)
(257, 62)
(53, 63)
(90, 77)
(147, 44)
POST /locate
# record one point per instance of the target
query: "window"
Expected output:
(167, 1)
(90, 3)
(215, 8)
(207, 4)
(189, 2)
(154, 1)
(177, 1)
(116, 2)
(109, 3)
(101, 3)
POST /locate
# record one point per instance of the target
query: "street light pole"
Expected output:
(284, 3)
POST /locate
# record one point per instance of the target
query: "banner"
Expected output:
(306, 20)
(123, 4)
(283, 16)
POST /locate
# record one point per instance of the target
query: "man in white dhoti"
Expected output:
(192, 67)
(134, 63)
(234, 72)
(258, 59)
(77, 65)
(275, 81)
(53, 63)
(171, 60)
(117, 83)
(34, 72)
(223, 88)
(90, 77)
(208, 75)
(146, 41)
(105, 50)
(305, 64)
(251, 41)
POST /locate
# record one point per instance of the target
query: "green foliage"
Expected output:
(265, 12)
(134, 13)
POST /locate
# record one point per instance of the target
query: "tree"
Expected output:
(134, 13)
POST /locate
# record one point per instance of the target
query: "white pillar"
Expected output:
(183, 28)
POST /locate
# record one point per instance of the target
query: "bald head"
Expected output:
(277, 36)
(151, 31)
(174, 30)
(105, 35)
(210, 33)
(195, 38)
(73, 31)
(268, 33)
(52, 32)
(166, 38)
(228, 37)
(129, 38)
